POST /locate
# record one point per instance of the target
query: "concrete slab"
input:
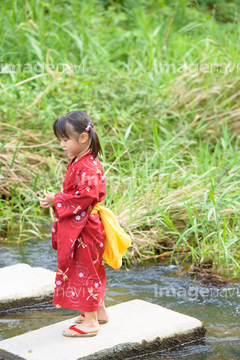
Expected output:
(126, 334)
(22, 281)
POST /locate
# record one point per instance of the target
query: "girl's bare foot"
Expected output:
(102, 314)
(90, 324)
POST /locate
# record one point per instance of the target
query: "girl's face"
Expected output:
(73, 146)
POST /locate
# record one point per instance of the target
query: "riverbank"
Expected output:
(161, 85)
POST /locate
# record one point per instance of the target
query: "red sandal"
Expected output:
(79, 333)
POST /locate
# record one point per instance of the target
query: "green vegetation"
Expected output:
(223, 10)
(160, 81)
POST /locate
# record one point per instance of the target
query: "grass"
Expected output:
(161, 83)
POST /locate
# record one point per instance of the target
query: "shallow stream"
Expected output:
(160, 283)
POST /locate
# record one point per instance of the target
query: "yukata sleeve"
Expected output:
(54, 231)
(73, 211)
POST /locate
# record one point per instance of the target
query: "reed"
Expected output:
(161, 83)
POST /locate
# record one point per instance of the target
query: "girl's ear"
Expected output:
(83, 137)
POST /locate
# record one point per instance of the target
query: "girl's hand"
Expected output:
(48, 201)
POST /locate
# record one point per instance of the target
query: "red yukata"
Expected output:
(79, 237)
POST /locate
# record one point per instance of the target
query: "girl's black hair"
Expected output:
(78, 120)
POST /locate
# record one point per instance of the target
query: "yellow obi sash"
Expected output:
(117, 241)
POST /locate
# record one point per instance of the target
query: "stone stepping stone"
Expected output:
(125, 335)
(22, 285)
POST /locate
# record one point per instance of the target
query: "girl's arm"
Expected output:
(72, 212)
(48, 201)
(85, 193)
(72, 205)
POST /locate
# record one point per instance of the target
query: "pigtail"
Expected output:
(95, 145)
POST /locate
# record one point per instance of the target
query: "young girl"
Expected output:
(78, 233)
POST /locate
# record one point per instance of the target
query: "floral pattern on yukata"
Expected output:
(79, 238)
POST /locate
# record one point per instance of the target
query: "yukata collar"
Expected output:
(73, 161)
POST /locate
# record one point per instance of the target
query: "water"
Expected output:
(160, 283)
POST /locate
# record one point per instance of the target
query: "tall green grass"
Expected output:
(170, 138)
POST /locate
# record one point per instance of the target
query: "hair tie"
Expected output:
(87, 128)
